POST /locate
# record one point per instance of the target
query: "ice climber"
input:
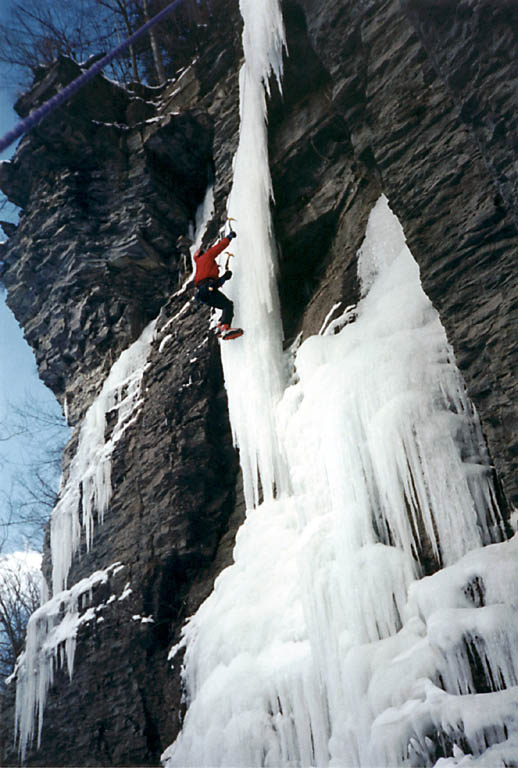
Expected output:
(208, 282)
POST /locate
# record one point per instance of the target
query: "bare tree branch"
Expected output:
(157, 54)
(38, 31)
(36, 471)
(20, 587)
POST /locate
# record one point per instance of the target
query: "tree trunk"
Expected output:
(157, 55)
(122, 7)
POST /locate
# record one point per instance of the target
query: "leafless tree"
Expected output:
(20, 587)
(155, 47)
(123, 10)
(27, 504)
(38, 31)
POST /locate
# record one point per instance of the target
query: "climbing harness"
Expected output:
(37, 115)
(209, 284)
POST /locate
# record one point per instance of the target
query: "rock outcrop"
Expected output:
(107, 186)
(412, 99)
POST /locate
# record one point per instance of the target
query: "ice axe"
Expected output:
(227, 263)
(229, 219)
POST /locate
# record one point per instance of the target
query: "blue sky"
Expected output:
(18, 374)
(8, 117)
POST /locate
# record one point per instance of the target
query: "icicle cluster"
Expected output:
(310, 651)
(88, 490)
(50, 643)
(422, 698)
(84, 497)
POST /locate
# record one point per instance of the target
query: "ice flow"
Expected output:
(388, 479)
(364, 474)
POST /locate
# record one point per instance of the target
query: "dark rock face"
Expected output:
(408, 99)
(323, 193)
(174, 480)
(94, 255)
(477, 74)
(414, 99)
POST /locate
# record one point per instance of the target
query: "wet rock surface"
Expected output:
(410, 98)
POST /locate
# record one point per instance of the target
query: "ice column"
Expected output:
(253, 365)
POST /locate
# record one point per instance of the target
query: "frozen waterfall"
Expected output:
(322, 645)
(325, 644)
(368, 618)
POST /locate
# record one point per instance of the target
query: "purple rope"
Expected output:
(37, 115)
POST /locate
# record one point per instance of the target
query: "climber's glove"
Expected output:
(231, 234)
(227, 275)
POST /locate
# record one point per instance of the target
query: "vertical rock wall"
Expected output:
(106, 188)
(412, 99)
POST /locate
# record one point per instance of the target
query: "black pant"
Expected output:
(214, 298)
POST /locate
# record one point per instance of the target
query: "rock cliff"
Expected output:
(414, 99)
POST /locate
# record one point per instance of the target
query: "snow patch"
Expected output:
(126, 592)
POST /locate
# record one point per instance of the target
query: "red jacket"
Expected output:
(206, 261)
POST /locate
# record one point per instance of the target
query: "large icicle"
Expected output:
(253, 366)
